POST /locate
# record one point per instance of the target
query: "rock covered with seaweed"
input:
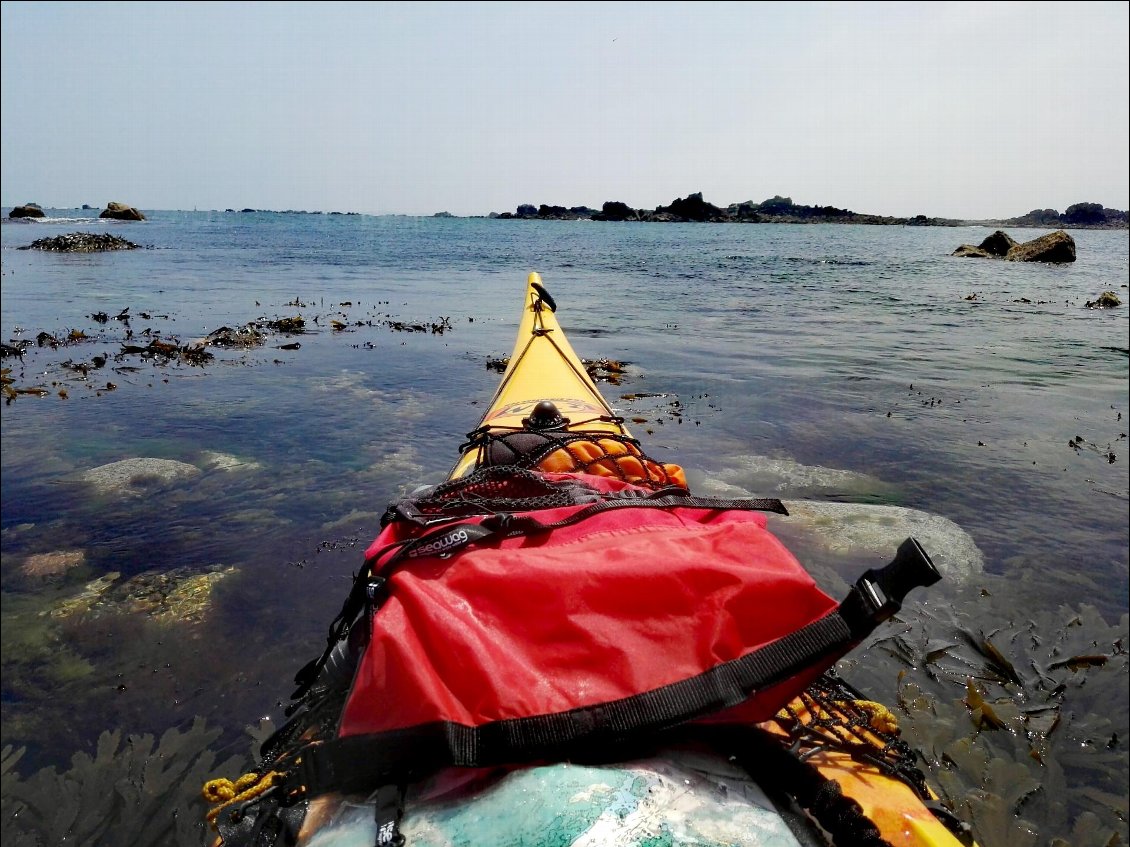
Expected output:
(81, 242)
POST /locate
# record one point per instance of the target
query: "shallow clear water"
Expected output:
(961, 385)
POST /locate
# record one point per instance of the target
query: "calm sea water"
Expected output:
(981, 391)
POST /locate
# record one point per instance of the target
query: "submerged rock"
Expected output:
(768, 475)
(177, 596)
(84, 601)
(855, 531)
(50, 564)
(863, 529)
(181, 595)
(137, 476)
(215, 461)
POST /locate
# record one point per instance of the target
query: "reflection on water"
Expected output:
(177, 607)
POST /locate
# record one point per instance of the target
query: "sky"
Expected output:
(961, 110)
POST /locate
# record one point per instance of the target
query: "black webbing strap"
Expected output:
(511, 525)
(454, 536)
(774, 766)
(354, 764)
(388, 809)
(667, 497)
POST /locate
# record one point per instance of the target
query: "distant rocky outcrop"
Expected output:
(1078, 216)
(28, 210)
(528, 211)
(121, 212)
(778, 209)
(695, 209)
(81, 242)
(617, 211)
(1056, 247)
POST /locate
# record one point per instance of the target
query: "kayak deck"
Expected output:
(542, 367)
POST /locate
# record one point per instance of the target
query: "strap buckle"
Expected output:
(878, 594)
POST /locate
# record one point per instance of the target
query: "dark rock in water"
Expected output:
(121, 212)
(999, 243)
(1106, 300)
(87, 207)
(968, 251)
(691, 208)
(82, 242)
(28, 211)
(560, 213)
(614, 210)
(1057, 247)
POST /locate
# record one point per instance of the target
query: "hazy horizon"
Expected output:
(969, 111)
(597, 207)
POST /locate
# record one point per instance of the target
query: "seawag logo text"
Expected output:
(441, 545)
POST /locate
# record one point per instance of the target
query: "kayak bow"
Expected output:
(543, 367)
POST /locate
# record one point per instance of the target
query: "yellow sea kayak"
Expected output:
(828, 748)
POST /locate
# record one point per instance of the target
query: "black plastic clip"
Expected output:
(879, 593)
(376, 591)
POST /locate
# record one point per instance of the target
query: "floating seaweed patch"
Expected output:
(605, 370)
(1015, 724)
(244, 336)
(288, 325)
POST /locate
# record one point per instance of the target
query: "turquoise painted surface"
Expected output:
(690, 798)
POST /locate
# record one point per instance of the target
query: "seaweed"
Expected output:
(142, 792)
(1018, 727)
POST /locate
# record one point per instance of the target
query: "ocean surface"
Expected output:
(146, 632)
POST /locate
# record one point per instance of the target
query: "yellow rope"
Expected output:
(227, 793)
(881, 718)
